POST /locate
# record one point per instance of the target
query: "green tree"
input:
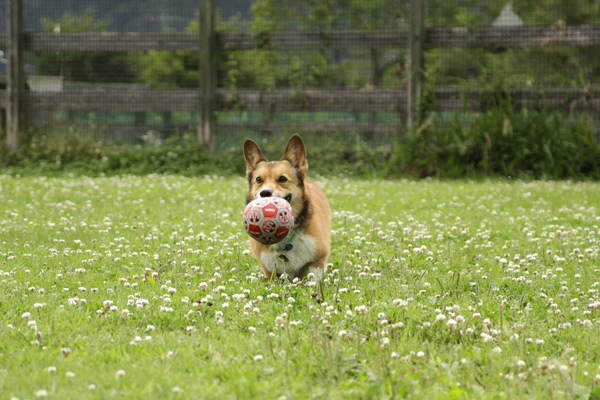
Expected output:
(503, 68)
(327, 15)
(267, 68)
(96, 66)
(261, 68)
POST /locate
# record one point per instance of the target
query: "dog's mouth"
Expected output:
(288, 198)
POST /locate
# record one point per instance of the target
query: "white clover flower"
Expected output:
(119, 374)
(258, 357)
(343, 334)
(564, 368)
(26, 314)
(70, 374)
(136, 340)
(41, 393)
(361, 310)
(385, 343)
(440, 318)
(451, 324)
(51, 369)
(141, 303)
(486, 338)
(251, 329)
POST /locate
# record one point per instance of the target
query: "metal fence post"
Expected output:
(416, 60)
(16, 73)
(208, 75)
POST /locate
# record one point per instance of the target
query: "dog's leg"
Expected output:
(317, 273)
(270, 275)
(318, 268)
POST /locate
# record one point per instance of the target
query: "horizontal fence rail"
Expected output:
(523, 36)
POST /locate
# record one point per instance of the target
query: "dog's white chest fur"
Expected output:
(303, 253)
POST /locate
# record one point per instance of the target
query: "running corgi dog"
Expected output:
(304, 252)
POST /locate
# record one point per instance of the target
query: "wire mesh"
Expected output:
(341, 62)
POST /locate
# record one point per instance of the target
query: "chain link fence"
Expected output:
(353, 79)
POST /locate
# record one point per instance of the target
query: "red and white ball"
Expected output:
(268, 219)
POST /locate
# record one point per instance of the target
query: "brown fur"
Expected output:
(309, 204)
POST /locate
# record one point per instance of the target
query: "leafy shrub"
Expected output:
(535, 144)
(82, 152)
(522, 144)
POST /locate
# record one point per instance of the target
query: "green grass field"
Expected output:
(143, 288)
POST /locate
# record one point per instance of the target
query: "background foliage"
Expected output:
(97, 66)
(521, 144)
(501, 141)
(268, 69)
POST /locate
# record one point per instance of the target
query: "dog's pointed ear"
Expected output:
(295, 153)
(253, 155)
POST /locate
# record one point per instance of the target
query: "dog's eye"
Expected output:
(283, 179)
(258, 179)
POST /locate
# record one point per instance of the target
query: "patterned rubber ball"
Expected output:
(268, 220)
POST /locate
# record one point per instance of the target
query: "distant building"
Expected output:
(508, 17)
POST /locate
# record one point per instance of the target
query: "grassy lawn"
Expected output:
(143, 287)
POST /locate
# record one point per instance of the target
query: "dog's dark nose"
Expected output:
(266, 193)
